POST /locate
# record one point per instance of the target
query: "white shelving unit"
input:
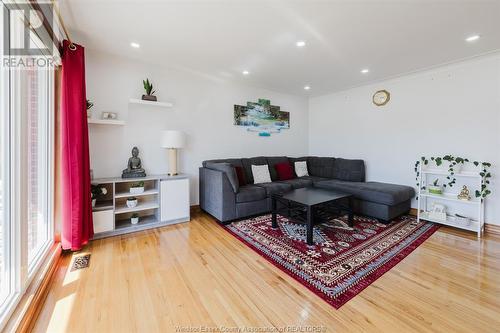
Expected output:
(115, 122)
(165, 201)
(151, 103)
(476, 204)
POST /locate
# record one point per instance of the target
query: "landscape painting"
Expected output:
(261, 117)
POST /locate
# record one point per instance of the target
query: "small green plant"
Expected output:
(131, 199)
(135, 215)
(90, 104)
(97, 191)
(435, 188)
(138, 184)
(148, 87)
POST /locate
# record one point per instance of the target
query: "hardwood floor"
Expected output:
(197, 274)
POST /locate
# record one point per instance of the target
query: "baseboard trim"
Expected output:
(492, 229)
(24, 317)
(195, 209)
(489, 228)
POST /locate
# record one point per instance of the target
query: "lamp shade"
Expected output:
(172, 139)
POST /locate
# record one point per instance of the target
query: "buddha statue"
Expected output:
(464, 194)
(134, 166)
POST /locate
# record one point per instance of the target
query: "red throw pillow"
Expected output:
(241, 175)
(284, 170)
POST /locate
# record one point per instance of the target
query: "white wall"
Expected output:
(452, 109)
(203, 110)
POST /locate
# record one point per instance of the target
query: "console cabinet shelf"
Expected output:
(165, 201)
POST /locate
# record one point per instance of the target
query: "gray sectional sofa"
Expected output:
(222, 197)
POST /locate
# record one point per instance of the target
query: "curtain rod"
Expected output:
(61, 21)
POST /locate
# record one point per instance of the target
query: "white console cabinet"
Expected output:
(164, 201)
(174, 199)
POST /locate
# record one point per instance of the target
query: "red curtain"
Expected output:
(76, 207)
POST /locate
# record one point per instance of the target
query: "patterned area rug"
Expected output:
(343, 261)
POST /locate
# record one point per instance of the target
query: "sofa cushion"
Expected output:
(230, 172)
(232, 161)
(321, 166)
(250, 193)
(272, 161)
(260, 174)
(275, 187)
(240, 173)
(292, 161)
(298, 182)
(300, 168)
(284, 171)
(247, 165)
(315, 179)
(383, 193)
(350, 170)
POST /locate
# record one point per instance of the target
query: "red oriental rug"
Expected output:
(343, 261)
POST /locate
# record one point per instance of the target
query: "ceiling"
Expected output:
(225, 37)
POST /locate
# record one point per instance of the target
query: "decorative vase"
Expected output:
(93, 202)
(131, 203)
(137, 190)
(134, 220)
(150, 98)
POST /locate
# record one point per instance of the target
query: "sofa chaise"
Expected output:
(222, 196)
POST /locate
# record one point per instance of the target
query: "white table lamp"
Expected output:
(172, 140)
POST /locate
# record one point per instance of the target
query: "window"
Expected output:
(35, 109)
(26, 140)
(5, 286)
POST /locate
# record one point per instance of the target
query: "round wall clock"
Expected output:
(381, 97)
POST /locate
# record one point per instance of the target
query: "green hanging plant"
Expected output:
(485, 180)
(453, 161)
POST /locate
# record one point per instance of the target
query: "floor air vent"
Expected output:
(80, 262)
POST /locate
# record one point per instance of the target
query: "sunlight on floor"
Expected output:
(64, 305)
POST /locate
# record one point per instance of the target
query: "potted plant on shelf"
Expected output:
(134, 219)
(137, 188)
(90, 104)
(148, 87)
(131, 202)
(96, 192)
(435, 188)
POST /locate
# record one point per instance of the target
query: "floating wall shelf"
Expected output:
(159, 104)
(106, 122)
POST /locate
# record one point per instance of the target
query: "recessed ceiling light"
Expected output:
(300, 43)
(245, 72)
(135, 45)
(472, 38)
(307, 88)
(365, 71)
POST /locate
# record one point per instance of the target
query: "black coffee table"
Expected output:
(306, 205)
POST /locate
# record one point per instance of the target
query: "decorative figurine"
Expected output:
(464, 194)
(134, 166)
